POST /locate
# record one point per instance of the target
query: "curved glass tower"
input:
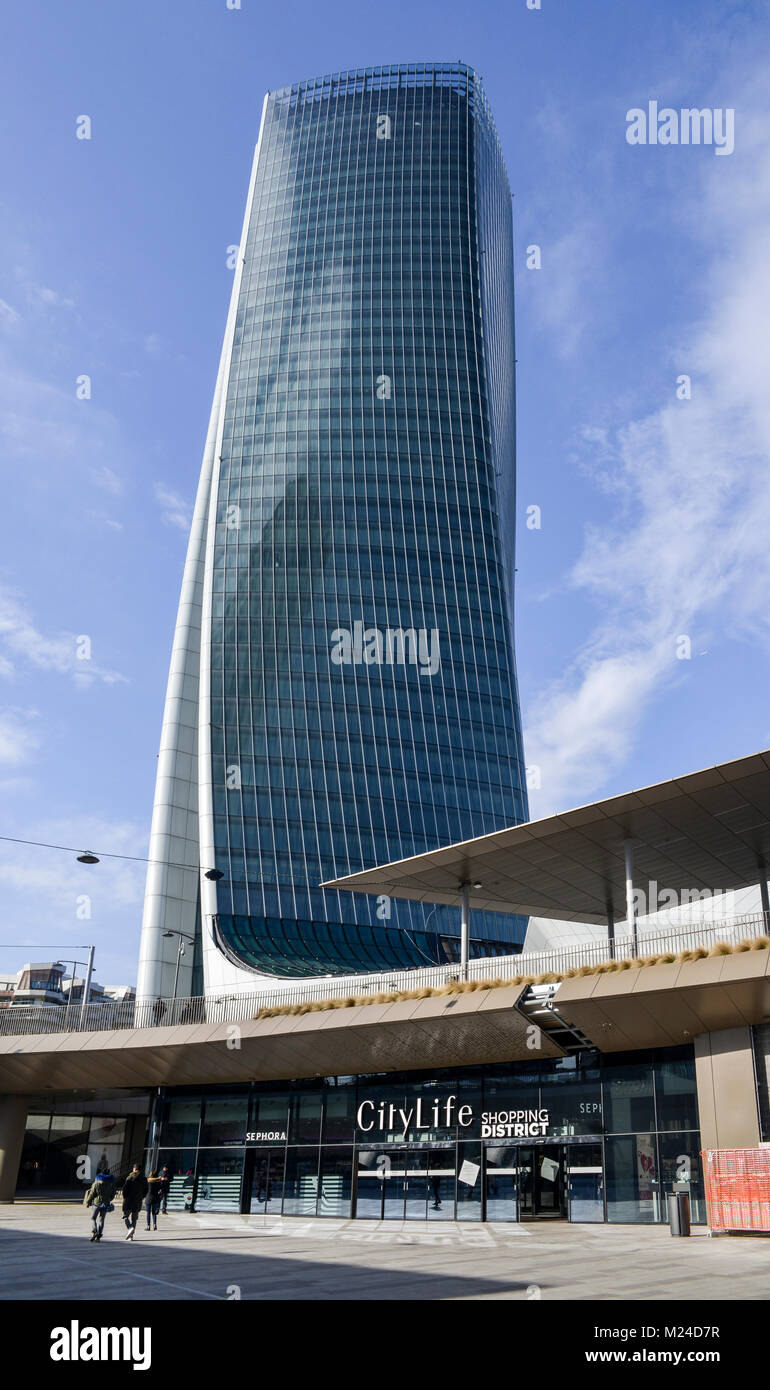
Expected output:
(342, 688)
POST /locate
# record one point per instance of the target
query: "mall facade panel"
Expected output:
(342, 689)
(586, 1138)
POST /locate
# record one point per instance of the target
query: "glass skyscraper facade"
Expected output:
(343, 688)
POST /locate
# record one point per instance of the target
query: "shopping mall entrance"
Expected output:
(561, 1182)
(406, 1184)
(263, 1181)
(507, 1182)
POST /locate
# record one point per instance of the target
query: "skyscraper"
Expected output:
(342, 689)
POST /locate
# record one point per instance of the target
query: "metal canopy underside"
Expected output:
(704, 831)
(412, 1034)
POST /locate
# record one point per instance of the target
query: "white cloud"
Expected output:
(685, 550)
(18, 739)
(8, 314)
(24, 643)
(568, 275)
(104, 478)
(43, 294)
(175, 510)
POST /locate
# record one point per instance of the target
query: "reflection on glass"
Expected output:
(442, 1176)
(181, 1164)
(574, 1106)
(393, 1172)
(67, 1145)
(586, 1182)
(181, 1122)
(628, 1100)
(680, 1163)
(549, 1181)
(224, 1120)
(336, 1183)
(268, 1181)
(270, 1114)
(502, 1168)
(676, 1094)
(369, 1183)
(301, 1185)
(306, 1118)
(415, 1184)
(218, 1181)
(632, 1179)
(339, 1114)
(468, 1182)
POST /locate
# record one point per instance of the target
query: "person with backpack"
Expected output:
(99, 1196)
(153, 1198)
(134, 1192)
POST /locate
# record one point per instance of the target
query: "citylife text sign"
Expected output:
(443, 1112)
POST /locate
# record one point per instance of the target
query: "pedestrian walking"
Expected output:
(99, 1196)
(153, 1198)
(134, 1192)
(165, 1177)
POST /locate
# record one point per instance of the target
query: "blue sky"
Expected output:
(655, 511)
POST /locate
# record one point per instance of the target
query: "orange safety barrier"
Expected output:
(737, 1185)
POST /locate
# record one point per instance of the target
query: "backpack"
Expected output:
(107, 1192)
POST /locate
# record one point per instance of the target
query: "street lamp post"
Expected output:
(87, 985)
(180, 952)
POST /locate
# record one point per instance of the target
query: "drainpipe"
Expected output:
(465, 918)
(611, 929)
(763, 893)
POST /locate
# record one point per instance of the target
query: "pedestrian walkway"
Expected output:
(46, 1254)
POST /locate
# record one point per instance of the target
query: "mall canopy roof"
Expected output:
(707, 830)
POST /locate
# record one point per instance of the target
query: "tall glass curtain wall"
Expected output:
(367, 477)
(619, 1132)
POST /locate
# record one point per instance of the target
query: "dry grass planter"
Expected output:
(605, 967)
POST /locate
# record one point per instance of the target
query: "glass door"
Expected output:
(219, 1180)
(550, 1181)
(501, 1182)
(393, 1169)
(525, 1177)
(370, 1183)
(442, 1177)
(267, 1181)
(542, 1182)
(585, 1184)
(415, 1167)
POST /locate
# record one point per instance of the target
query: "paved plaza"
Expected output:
(46, 1254)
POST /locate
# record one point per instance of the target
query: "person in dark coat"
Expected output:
(153, 1198)
(134, 1192)
(165, 1177)
(99, 1196)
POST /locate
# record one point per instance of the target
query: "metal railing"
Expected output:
(231, 1006)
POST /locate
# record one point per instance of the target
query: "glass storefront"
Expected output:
(66, 1145)
(586, 1138)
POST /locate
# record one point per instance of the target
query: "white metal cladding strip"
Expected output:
(218, 973)
(171, 889)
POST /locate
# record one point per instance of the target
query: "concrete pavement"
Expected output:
(46, 1254)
